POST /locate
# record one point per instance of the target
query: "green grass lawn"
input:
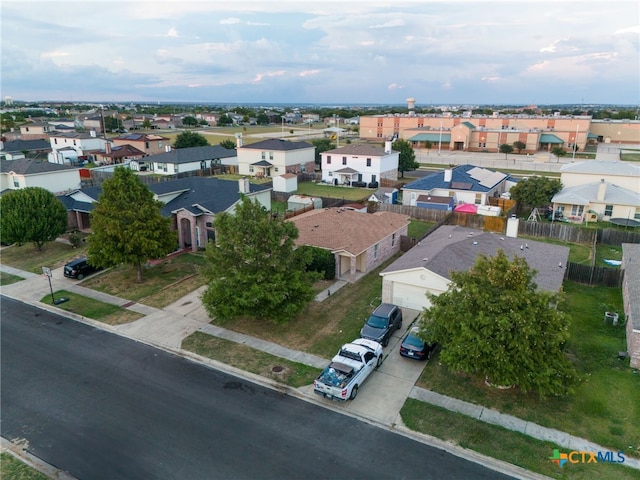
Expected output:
(331, 191)
(506, 445)
(419, 228)
(91, 308)
(164, 282)
(246, 358)
(13, 469)
(53, 254)
(604, 407)
(8, 279)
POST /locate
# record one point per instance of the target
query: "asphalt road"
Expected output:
(100, 406)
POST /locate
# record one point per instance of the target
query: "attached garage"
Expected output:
(408, 288)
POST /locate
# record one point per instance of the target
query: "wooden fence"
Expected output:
(592, 275)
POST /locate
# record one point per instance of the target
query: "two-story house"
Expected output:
(359, 164)
(274, 157)
(27, 172)
(599, 190)
(181, 160)
(70, 148)
(148, 143)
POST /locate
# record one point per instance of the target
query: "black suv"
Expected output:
(78, 268)
(384, 320)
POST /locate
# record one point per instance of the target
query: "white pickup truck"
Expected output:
(348, 370)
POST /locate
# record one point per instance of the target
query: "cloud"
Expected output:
(389, 24)
(172, 33)
(229, 21)
(308, 73)
(55, 54)
(394, 86)
(490, 79)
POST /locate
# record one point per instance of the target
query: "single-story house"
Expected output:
(427, 267)
(359, 241)
(597, 201)
(27, 172)
(192, 203)
(15, 149)
(631, 299)
(181, 160)
(359, 164)
(464, 183)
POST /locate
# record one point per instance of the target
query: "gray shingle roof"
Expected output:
(604, 167)
(451, 248)
(277, 144)
(21, 145)
(28, 166)
(586, 194)
(192, 154)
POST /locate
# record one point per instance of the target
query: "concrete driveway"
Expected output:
(385, 391)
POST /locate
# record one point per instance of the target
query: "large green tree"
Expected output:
(558, 152)
(506, 149)
(190, 139)
(228, 144)
(127, 224)
(493, 321)
(253, 269)
(535, 191)
(322, 145)
(190, 121)
(407, 159)
(31, 214)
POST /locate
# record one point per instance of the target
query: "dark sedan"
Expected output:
(413, 346)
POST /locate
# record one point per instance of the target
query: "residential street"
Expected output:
(102, 406)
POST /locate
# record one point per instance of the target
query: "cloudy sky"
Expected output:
(332, 52)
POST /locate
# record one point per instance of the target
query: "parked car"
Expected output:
(79, 268)
(348, 370)
(413, 346)
(385, 319)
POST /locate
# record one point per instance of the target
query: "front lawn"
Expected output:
(91, 308)
(164, 282)
(251, 360)
(497, 442)
(8, 279)
(323, 326)
(53, 254)
(604, 408)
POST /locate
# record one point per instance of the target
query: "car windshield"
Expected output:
(377, 322)
(413, 341)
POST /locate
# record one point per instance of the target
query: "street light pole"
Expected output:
(575, 144)
(440, 139)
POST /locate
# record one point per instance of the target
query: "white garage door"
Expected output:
(409, 296)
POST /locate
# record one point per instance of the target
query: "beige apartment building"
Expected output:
(487, 133)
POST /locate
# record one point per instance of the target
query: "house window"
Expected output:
(275, 169)
(608, 210)
(478, 200)
(74, 143)
(576, 210)
(270, 155)
(55, 140)
(250, 168)
(16, 183)
(146, 144)
(344, 160)
(393, 239)
(263, 155)
(331, 174)
(482, 145)
(368, 162)
(328, 159)
(163, 167)
(375, 251)
(159, 144)
(27, 129)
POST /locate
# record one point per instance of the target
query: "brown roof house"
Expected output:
(359, 241)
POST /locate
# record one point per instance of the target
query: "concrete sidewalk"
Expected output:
(380, 399)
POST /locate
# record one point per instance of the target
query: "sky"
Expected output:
(330, 52)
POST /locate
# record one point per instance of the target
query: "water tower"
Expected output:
(411, 105)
